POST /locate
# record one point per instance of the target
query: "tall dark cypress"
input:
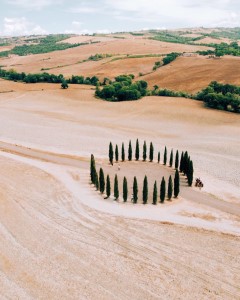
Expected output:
(185, 162)
(165, 156)
(151, 152)
(135, 190)
(110, 153)
(159, 157)
(181, 163)
(171, 159)
(92, 169)
(125, 189)
(130, 151)
(190, 173)
(144, 151)
(145, 190)
(108, 186)
(137, 150)
(163, 190)
(170, 188)
(177, 160)
(176, 184)
(116, 153)
(116, 190)
(155, 193)
(101, 181)
(123, 152)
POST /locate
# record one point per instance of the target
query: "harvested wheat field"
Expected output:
(191, 74)
(60, 238)
(72, 57)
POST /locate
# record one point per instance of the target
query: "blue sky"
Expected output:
(23, 17)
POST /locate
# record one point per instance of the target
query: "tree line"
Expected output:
(184, 163)
(104, 186)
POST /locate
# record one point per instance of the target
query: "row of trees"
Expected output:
(171, 190)
(185, 164)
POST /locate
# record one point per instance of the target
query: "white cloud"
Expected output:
(33, 4)
(21, 26)
(83, 8)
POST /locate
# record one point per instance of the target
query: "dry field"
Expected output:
(34, 63)
(59, 239)
(192, 74)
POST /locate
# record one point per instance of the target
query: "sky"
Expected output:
(27, 17)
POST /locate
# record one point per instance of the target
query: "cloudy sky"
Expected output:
(22, 17)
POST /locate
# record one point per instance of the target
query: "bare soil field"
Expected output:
(34, 63)
(87, 39)
(192, 74)
(209, 40)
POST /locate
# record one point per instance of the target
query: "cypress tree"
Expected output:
(155, 193)
(144, 151)
(96, 181)
(108, 186)
(116, 153)
(145, 190)
(190, 173)
(159, 157)
(101, 181)
(181, 163)
(135, 190)
(165, 156)
(185, 162)
(92, 169)
(176, 184)
(177, 160)
(162, 190)
(151, 152)
(123, 152)
(130, 151)
(110, 153)
(116, 190)
(125, 189)
(137, 150)
(170, 188)
(171, 159)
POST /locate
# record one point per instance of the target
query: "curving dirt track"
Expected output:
(60, 240)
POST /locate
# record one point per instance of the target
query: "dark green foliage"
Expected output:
(181, 163)
(123, 89)
(137, 150)
(176, 184)
(145, 190)
(108, 186)
(101, 181)
(92, 169)
(170, 57)
(190, 173)
(177, 160)
(171, 159)
(221, 96)
(162, 190)
(159, 157)
(185, 163)
(123, 152)
(151, 152)
(155, 193)
(110, 153)
(165, 156)
(144, 151)
(174, 37)
(135, 190)
(64, 85)
(116, 190)
(130, 151)
(116, 153)
(170, 93)
(125, 189)
(170, 188)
